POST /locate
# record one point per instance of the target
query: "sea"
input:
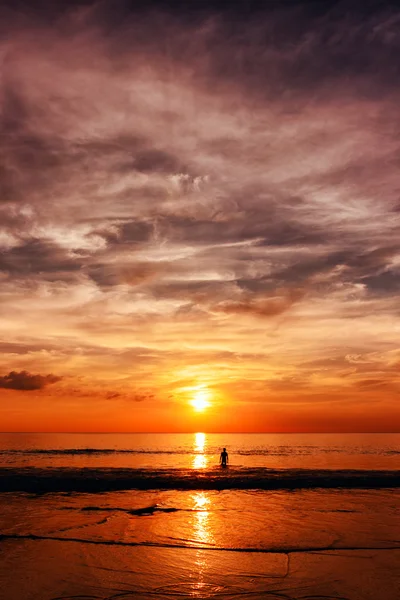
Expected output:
(124, 516)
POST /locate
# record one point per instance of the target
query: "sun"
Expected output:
(200, 400)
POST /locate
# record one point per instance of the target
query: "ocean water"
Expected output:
(107, 516)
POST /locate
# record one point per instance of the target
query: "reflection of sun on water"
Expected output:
(199, 441)
(200, 460)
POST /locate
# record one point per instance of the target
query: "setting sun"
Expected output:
(200, 400)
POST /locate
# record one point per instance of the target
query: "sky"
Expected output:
(199, 216)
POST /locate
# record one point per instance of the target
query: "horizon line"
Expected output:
(214, 432)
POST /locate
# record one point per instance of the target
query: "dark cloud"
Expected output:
(140, 397)
(135, 232)
(26, 348)
(38, 257)
(26, 382)
(129, 396)
(301, 50)
(112, 395)
(265, 226)
(371, 383)
(260, 306)
(269, 49)
(136, 273)
(371, 268)
(156, 160)
(384, 283)
(386, 385)
(104, 275)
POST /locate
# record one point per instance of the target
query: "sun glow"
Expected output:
(200, 400)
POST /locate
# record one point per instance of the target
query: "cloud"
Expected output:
(262, 306)
(26, 382)
(170, 179)
(38, 257)
(140, 397)
(112, 395)
(129, 396)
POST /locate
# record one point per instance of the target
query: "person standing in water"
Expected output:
(223, 459)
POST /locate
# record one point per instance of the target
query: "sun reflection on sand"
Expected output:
(203, 536)
(202, 531)
(200, 460)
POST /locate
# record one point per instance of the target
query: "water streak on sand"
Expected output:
(275, 550)
(139, 512)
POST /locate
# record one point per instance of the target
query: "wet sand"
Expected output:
(308, 544)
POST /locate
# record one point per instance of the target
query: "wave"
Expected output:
(92, 480)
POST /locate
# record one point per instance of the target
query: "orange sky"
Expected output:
(199, 205)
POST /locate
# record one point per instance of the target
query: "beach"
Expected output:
(200, 283)
(186, 532)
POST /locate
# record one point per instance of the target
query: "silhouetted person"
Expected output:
(223, 459)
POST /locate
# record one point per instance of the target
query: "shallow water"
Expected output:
(200, 543)
(201, 451)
